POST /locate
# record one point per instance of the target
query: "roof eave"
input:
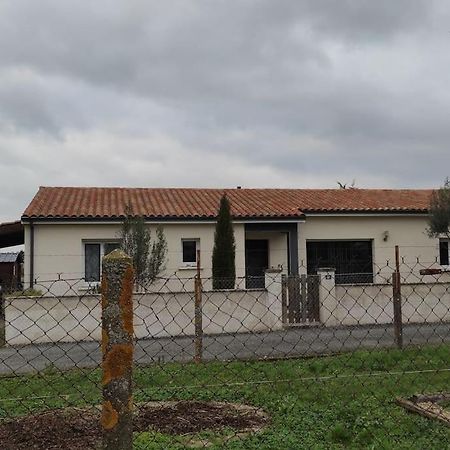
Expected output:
(116, 219)
(373, 212)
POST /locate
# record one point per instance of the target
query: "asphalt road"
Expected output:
(293, 342)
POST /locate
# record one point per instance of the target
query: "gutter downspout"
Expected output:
(288, 239)
(293, 250)
(31, 254)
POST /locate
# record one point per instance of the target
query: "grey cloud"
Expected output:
(369, 20)
(207, 57)
(292, 93)
(152, 47)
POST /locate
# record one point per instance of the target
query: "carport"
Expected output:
(11, 233)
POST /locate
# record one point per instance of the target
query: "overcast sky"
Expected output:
(219, 93)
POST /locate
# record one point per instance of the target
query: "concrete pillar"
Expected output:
(329, 306)
(117, 350)
(274, 298)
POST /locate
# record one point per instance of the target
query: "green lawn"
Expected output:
(344, 401)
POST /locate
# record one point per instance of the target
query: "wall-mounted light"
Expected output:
(385, 235)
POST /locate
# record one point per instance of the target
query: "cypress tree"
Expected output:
(223, 257)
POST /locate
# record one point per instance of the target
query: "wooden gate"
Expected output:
(300, 297)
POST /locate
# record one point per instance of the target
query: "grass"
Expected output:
(30, 292)
(335, 402)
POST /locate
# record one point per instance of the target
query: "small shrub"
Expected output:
(30, 292)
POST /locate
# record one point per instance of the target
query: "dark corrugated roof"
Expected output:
(179, 203)
(9, 257)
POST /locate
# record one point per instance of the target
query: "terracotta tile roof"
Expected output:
(179, 203)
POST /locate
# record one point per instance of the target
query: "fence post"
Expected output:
(2, 319)
(397, 301)
(284, 309)
(198, 314)
(303, 298)
(117, 350)
(294, 300)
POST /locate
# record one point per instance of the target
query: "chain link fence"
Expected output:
(319, 360)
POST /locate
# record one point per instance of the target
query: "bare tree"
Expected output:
(149, 256)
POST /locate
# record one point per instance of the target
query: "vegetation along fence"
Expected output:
(304, 361)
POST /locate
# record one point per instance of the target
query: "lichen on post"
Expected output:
(2, 319)
(117, 349)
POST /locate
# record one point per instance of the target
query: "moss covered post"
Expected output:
(198, 313)
(2, 319)
(117, 350)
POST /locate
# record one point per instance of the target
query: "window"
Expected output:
(190, 247)
(93, 253)
(444, 252)
(352, 259)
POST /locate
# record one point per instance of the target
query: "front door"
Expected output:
(256, 262)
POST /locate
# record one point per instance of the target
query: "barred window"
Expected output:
(352, 260)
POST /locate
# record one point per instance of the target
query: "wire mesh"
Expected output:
(286, 361)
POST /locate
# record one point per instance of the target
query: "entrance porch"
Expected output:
(269, 246)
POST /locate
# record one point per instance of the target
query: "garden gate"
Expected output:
(300, 299)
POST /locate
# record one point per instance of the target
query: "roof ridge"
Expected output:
(193, 188)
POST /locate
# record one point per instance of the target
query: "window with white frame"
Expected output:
(444, 256)
(189, 251)
(93, 253)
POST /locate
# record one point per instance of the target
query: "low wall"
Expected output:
(47, 319)
(68, 319)
(372, 303)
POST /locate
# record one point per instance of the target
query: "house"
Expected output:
(352, 232)
(11, 270)
(69, 229)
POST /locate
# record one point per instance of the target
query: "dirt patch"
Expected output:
(79, 429)
(193, 417)
(52, 430)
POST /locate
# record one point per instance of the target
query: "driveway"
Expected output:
(293, 342)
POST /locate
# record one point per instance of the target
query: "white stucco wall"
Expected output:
(73, 318)
(409, 232)
(373, 304)
(59, 249)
